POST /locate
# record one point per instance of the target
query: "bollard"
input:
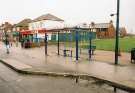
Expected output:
(115, 90)
(77, 79)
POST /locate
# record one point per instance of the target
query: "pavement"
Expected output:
(33, 61)
(12, 82)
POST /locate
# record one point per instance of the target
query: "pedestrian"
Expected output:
(16, 42)
(22, 42)
(7, 45)
(11, 42)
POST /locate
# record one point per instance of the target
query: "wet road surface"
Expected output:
(12, 82)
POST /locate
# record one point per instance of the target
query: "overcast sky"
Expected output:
(72, 11)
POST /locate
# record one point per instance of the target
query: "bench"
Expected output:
(67, 52)
(93, 48)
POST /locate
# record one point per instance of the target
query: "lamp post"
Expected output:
(117, 32)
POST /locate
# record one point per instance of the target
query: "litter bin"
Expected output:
(65, 54)
(26, 45)
(133, 55)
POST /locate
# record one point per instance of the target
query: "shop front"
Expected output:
(33, 37)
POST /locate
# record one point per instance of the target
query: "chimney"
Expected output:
(111, 22)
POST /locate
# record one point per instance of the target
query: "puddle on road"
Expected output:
(98, 85)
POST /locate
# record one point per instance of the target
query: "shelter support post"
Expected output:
(58, 48)
(45, 43)
(77, 47)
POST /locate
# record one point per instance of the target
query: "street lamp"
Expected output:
(117, 32)
(112, 15)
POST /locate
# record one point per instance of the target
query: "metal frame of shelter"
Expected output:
(70, 35)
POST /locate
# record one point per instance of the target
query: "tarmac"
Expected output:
(33, 61)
